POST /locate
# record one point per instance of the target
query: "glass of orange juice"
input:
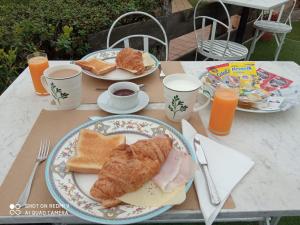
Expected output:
(223, 110)
(37, 63)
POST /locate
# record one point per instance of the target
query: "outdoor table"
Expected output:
(254, 4)
(270, 190)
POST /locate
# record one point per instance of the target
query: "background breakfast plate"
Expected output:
(109, 55)
(208, 89)
(71, 190)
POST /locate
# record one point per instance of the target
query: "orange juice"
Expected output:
(37, 63)
(223, 109)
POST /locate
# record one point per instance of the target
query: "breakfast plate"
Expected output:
(103, 103)
(283, 106)
(71, 190)
(109, 55)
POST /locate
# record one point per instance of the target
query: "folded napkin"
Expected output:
(227, 167)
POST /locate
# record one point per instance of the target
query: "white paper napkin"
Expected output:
(227, 167)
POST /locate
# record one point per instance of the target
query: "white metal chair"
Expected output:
(211, 48)
(144, 36)
(279, 28)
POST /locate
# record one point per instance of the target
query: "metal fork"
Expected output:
(41, 156)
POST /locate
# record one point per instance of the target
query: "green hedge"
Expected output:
(58, 27)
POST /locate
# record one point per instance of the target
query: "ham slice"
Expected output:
(178, 169)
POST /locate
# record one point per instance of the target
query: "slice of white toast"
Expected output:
(92, 151)
(96, 66)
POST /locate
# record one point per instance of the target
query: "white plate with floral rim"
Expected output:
(109, 55)
(71, 190)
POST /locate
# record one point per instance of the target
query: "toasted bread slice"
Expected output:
(96, 66)
(92, 151)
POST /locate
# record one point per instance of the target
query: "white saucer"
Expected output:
(103, 104)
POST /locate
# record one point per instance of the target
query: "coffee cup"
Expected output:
(123, 95)
(183, 97)
(63, 83)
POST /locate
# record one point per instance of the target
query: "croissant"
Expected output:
(129, 168)
(130, 60)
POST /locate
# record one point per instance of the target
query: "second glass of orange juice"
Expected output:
(223, 110)
(37, 63)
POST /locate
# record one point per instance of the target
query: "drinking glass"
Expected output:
(223, 110)
(37, 63)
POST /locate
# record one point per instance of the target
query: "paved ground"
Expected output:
(187, 43)
(180, 5)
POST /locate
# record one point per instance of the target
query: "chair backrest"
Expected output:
(144, 36)
(279, 19)
(215, 22)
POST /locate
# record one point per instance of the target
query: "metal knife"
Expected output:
(189, 133)
(214, 197)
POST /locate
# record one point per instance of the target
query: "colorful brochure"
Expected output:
(272, 82)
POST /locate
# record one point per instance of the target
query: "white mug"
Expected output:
(66, 89)
(181, 93)
(123, 102)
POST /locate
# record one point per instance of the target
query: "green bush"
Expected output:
(58, 27)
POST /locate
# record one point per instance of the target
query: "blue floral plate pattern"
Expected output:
(71, 190)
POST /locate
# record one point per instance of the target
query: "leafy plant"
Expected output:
(64, 41)
(61, 28)
(8, 67)
(177, 106)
